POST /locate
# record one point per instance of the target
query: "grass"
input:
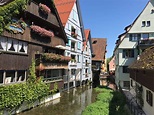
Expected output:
(108, 102)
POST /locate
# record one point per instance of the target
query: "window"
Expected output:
(20, 76)
(73, 58)
(1, 77)
(22, 47)
(86, 47)
(149, 97)
(68, 26)
(79, 45)
(131, 82)
(134, 37)
(148, 23)
(12, 45)
(86, 71)
(125, 69)
(128, 53)
(74, 15)
(10, 77)
(72, 45)
(89, 70)
(73, 71)
(73, 32)
(94, 42)
(69, 42)
(3, 43)
(78, 58)
(145, 36)
(143, 23)
(126, 84)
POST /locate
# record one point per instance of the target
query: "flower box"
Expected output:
(42, 31)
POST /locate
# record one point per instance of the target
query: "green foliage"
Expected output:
(32, 75)
(107, 102)
(97, 108)
(14, 95)
(55, 89)
(10, 10)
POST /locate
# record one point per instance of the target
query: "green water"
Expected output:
(72, 103)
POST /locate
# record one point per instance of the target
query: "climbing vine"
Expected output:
(14, 95)
(10, 10)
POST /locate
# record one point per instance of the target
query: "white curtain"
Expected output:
(25, 47)
(12, 45)
(3, 42)
(22, 47)
(19, 46)
(15, 45)
(9, 44)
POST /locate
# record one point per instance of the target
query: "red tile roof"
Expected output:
(87, 33)
(99, 48)
(64, 8)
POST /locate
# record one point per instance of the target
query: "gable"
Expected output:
(64, 8)
(146, 15)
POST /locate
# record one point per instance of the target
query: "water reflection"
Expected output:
(72, 103)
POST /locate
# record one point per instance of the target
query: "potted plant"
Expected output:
(41, 31)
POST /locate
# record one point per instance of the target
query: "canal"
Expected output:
(72, 103)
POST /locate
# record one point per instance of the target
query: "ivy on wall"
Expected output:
(10, 10)
(13, 9)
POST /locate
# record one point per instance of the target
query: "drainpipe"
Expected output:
(68, 84)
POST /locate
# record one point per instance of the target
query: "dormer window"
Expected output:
(95, 41)
(73, 32)
(152, 11)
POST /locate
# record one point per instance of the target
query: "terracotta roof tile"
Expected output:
(87, 32)
(64, 8)
(99, 48)
(146, 60)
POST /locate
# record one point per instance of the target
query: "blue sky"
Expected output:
(108, 18)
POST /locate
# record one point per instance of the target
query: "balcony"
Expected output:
(51, 61)
(33, 8)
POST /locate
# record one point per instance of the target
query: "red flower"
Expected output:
(41, 31)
